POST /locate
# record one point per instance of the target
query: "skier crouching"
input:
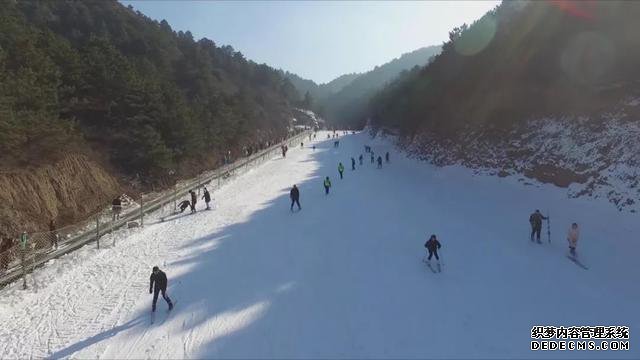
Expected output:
(159, 279)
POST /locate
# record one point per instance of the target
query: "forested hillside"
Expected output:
(96, 99)
(313, 94)
(545, 89)
(347, 108)
(82, 75)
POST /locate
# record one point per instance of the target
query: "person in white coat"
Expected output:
(572, 238)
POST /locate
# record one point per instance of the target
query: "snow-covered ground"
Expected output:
(342, 278)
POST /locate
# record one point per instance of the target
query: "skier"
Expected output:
(353, 164)
(327, 185)
(301, 145)
(116, 208)
(295, 197)
(432, 246)
(184, 205)
(159, 278)
(386, 157)
(340, 169)
(572, 238)
(314, 148)
(360, 159)
(379, 162)
(194, 199)
(207, 198)
(536, 224)
(373, 158)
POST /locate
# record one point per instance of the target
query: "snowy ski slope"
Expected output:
(342, 278)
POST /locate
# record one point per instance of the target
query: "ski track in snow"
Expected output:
(341, 278)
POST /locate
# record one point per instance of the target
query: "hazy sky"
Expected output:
(318, 40)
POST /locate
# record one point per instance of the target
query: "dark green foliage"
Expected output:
(94, 73)
(520, 60)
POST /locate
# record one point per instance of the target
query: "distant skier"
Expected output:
(386, 157)
(327, 185)
(536, 224)
(314, 148)
(116, 208)
(353, 164)
(159, 279)
(207, 198)
(379, 162)
(373, 158)
(301, 145)
(360, 159)
(340, 169)
(572, 238)
(184, 205)
(432, 246)
(194, 199)
(295, 197)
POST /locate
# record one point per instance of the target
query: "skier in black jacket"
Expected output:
(207, 198)
(194, 199)
(433, 245)
(353, 164)
(184, 205)
(360, 159)
(536, 224)
(295, 197)
(159, 278)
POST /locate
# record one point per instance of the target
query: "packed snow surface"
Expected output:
(344, 277)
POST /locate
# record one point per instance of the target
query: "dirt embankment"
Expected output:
(66, 191)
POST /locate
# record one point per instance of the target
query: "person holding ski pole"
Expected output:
(340, 169)
(159, 279)
(327, 185)
(572, 238)
(294, 194)
(536, 224)
(207, 198)
(353, 164)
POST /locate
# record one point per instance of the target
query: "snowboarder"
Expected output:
(116, 208)
(340, 169)
(327, 185)
(295, 197)
(432, 246)
(386, 157)
(194, 199)
(184, 205)
(379, 162)
(207, 198)
(572, 238)
(360, 159)
(353, 164)
(159, 278)
(536, 224)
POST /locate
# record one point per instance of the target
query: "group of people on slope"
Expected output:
(573, 234)
(194, 199)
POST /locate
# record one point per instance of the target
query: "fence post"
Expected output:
(23, 254)
(98, 230)
(141, 210)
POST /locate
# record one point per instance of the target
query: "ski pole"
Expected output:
(549, 226)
